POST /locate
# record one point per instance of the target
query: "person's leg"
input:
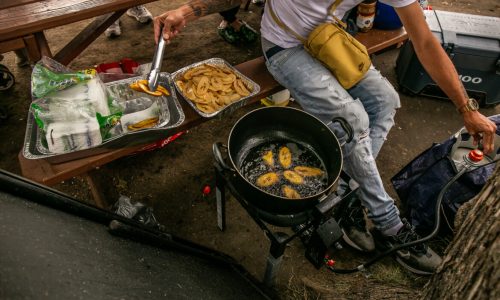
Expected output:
(22, 57)
(380, 101)
(230, 15)
(320, 94)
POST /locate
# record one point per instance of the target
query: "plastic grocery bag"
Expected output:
(49, 76)
(66, 105)
(136, 211)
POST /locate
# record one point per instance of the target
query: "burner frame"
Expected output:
(309, 220)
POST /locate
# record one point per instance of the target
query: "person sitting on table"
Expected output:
(369, 106)
(140, 13)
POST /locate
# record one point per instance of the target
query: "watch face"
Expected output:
(473, 104)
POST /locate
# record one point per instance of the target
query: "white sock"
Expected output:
(393, 230)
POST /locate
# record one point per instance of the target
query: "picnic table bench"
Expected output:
(23, 22)
(42, 171)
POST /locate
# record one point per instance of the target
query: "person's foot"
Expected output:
(352, 221)
(140, 13)
(247, 33)
(114, 30)
(228, 33)
(238, 31)
(419, 259)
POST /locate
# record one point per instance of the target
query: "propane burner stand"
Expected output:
(316, 227)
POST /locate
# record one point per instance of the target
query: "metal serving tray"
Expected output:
(228, 108)
(171, 116)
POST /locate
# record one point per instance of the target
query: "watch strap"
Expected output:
(471, 105)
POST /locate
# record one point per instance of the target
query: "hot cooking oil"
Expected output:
(256, 164)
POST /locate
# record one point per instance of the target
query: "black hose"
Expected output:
(409, 244)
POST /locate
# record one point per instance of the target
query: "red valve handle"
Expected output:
(476, 155)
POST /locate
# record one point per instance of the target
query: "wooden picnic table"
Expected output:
(23, 22)
(42, 171)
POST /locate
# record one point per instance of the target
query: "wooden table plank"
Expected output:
(376, 40)
(17, 21)
(82, 40)
(10, 3)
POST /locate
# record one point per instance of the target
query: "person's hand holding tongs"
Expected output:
(150, 86)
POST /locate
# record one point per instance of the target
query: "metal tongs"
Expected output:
(154, 73)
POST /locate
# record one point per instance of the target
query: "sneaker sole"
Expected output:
(411, 269)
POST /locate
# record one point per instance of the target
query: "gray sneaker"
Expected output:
(352, 221)
(419, 259)
(114, 30)
(140, 13)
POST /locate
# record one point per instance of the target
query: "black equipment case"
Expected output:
(473, 45)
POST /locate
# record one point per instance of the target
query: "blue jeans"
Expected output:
(369, 107)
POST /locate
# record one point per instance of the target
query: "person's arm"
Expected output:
(174, 20)
(440, 68)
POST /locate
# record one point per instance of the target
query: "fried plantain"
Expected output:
(268, 158)
(293, 177)
(267, 179)
(143, 124)
(308, 171)
(285, 157)
(290, 192)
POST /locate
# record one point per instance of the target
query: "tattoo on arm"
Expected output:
(205, 7)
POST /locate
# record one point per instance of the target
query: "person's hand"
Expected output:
(173, 22)
(480, 127)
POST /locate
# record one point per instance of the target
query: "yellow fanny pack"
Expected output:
(342, 54)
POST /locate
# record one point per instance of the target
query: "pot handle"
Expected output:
(218, 156)
(347, 128)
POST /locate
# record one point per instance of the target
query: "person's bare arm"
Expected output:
(439, 66)
(174, 20)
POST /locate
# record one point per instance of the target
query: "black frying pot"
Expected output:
(274, 124)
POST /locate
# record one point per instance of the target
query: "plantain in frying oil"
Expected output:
(290, 192)
(308, 171)
(285, 157)
(268, 158)
(267, 179)
(293, 177)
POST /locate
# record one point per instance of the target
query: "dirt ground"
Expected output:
(171, 179)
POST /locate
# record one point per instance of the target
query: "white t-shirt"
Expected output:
(302, 16)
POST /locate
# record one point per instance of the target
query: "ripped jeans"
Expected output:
(369, 107)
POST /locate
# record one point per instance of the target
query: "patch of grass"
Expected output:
(390, 273)
(296, 289)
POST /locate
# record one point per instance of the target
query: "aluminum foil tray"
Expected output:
(171, 116)
(228, 108)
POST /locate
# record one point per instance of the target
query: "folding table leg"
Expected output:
(96, 192)
(43, 46)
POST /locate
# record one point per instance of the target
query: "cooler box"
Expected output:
(473, 45)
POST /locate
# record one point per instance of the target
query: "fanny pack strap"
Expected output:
(332, 9)
(296, 35)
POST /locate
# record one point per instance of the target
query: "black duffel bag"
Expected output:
(419, 183)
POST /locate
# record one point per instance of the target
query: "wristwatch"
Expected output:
(471, 105)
